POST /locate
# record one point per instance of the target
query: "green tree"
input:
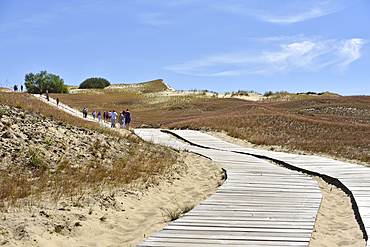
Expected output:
(94, 83)
(42, 81)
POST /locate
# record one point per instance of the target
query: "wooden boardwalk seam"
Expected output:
(260, 204)
(355, 178)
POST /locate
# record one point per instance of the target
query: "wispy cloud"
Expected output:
(306, 55)
(280, 12)
(293, 15)
(350, 51)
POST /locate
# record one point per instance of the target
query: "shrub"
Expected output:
(269, 93)
(94, 83)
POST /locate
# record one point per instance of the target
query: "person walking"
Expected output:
(127, 118)
(121, 119)
(107, 116)
(99, 116)
(58, 102)
(84, 112)
(124, 115)
(114, 117)
(110, 116)
(94, 114)
(47, 94)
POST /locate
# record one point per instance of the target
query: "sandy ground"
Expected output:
(336, 224)
(125, 219)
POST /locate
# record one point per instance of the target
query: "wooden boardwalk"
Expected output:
(259, 204)
(355, 178)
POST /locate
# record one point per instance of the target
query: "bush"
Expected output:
(94, 83)
(269, 93)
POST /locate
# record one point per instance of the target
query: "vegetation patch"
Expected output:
(94, 83)
(50, 153)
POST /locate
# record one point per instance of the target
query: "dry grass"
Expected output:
(174, 214)
(30, 103)
(140, 163)
(324, 123)
(341, 131)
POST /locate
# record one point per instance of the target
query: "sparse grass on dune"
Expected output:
(325, 122)
(285, 125)
(30, 103)
(4, 89)
(145, 87)
(145, 107)
(285, 96)
(30, 174)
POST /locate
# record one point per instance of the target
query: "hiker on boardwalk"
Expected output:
(107, 116)
(114, 117)
(21, 88)
(121, 119)
(99, 116)
(84, 112)
(15, 88)
(47, 95)
(127, 118)
(94, 114)
(58, 102)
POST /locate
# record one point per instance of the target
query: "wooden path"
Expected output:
(355, 178)
(259, 204)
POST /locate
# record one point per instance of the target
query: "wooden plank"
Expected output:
(154, 241)
(220, 234)
(255, 192)
(211, 226)
(252, 224)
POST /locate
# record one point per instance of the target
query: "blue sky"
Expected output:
(218, 45)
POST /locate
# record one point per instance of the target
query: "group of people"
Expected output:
(16, 88)
(124, 118)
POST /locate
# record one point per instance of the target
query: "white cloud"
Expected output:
(282, 12)
(306, 55)
(350, 50)
(308, 13)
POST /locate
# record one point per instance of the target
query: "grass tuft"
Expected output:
(172, 214)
